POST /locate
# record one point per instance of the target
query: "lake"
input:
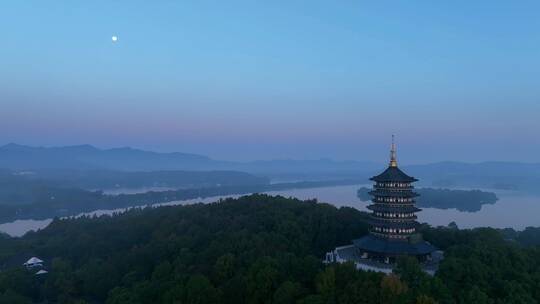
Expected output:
(512, 210)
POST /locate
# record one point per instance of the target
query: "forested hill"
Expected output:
(256, 249)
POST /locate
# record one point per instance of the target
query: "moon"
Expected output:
(114, 38)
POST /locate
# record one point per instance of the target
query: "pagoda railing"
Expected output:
(391, 235)
(394, 219)
(393, 187)
(393, 204)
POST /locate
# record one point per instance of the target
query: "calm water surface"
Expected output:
(513, 209)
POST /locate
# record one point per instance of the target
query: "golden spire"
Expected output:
(393, 160)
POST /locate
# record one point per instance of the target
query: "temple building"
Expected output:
(393, 226)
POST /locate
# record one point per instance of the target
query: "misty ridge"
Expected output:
(42, 183)
(72, 163)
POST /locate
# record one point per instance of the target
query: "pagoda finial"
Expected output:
(393, 160)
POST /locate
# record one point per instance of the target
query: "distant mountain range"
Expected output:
(87, 157)
(501, 175)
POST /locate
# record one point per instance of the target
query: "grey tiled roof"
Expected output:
(393, 174)
(374, 244)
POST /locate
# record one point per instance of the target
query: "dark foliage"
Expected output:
(256, 249)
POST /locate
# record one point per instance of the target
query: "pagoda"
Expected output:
(393, 230)
(393, 226)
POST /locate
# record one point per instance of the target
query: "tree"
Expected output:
(475, 295)
(393, 289)
(199, 290)
(11, 297)
(287, 293)
(408, 269)
(326, 284)
(423, 299)
(262, 280)
(224, 267)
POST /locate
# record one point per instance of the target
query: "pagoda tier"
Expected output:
(392, 224)
(388, 208)
(396, 193)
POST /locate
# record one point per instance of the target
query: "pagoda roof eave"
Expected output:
(393, 174)
(374, 244)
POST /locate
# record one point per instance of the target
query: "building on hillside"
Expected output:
(33, 263)
(393, 226)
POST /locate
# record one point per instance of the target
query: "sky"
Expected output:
(244, 80)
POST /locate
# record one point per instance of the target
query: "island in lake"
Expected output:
(462, 200)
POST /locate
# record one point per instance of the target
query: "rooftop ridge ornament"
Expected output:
(393, 159)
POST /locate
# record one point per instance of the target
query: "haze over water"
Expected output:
(512, 210)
